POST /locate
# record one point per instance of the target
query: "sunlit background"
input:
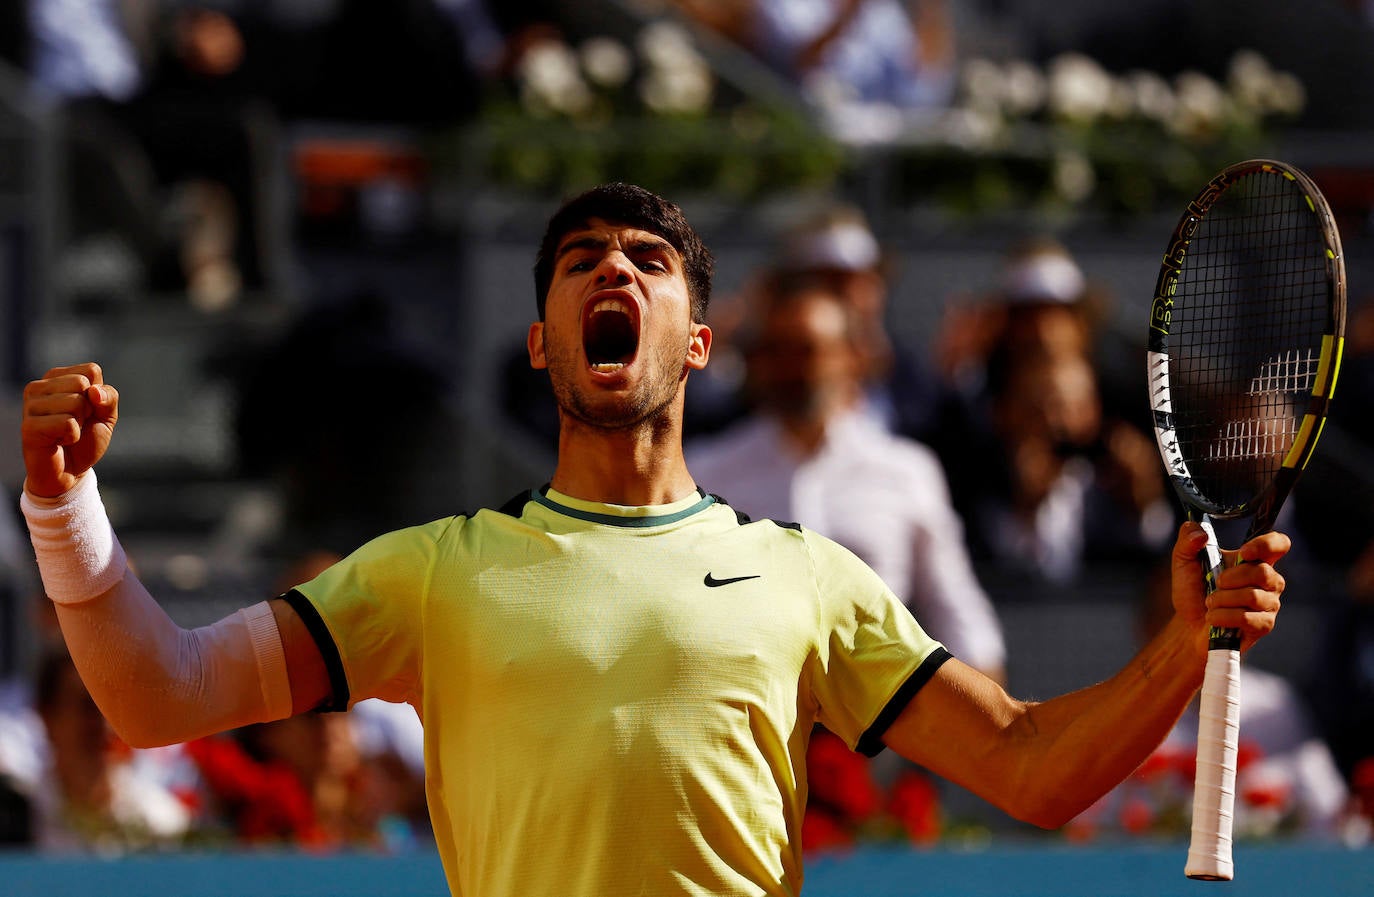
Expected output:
(298, 236)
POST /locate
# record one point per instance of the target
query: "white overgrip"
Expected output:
(1214, 793)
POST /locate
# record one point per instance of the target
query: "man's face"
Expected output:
(805, 365)
(617, 336)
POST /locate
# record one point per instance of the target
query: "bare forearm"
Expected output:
(1047, 762)
(1084, 743)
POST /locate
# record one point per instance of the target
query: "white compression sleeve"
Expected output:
(156, 682)
(78, 554)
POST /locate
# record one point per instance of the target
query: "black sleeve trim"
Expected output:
(314, 624)
(871, 742)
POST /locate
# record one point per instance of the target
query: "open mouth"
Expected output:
(609, 335)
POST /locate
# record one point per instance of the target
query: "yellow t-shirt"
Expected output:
(617, 700)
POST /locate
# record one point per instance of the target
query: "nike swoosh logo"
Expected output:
(713, 583)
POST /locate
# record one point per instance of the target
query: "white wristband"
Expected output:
(78, 554)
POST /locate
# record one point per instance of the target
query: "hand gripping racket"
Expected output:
(1246, 331)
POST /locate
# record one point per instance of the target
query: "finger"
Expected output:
(1265, 548)
(73, 384)
(1253, 623)
(1250, 575)
(90, 370)
(71, 404)
(51, 430)
(1192, 539)
(104, 401)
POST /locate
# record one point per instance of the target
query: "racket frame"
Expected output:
(1209, 855)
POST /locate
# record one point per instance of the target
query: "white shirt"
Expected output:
(884, 497)
(875, 58)
(80, 48)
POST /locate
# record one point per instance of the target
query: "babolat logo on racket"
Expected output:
(1161, 309)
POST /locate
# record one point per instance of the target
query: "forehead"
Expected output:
(597, 233)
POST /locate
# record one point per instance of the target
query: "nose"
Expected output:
(614, 268)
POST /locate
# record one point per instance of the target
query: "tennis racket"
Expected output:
(1246, 331)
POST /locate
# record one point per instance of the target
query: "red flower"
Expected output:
(1362, 783)
(915, 803)
(822, 832)
(267, 800)
(1157, 765)
(1185, 766)
(840, 779)
(1247, 752)
(1261, 790)
(1080, 830)
(1137, 816)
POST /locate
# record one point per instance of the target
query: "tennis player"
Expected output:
(618, 672)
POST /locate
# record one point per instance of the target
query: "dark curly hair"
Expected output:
(634, 206)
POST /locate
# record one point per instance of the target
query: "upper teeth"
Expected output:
(611, 304)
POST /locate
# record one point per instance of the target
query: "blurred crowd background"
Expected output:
(298, 236)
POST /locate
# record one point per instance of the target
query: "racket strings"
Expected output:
(1249, 313)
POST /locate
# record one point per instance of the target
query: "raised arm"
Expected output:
(156, 682)
(1046, 762)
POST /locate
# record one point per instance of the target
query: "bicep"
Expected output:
(962, 726)
(305, 666)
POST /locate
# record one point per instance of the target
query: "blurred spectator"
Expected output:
(1287, 779)
(297, 781)
(24, 751)
(1342, 691)
(1060, 486)
(1335, 507)
(90, 796)
(865, 64)
(1042, 302)
(813, 453)
(161, 145)
(837, 249)
(1049, 466)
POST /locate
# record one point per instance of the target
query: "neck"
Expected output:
(640, 465)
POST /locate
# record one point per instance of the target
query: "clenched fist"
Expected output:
(68, 419)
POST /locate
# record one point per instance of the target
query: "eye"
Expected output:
(579, 265)
(655, 265)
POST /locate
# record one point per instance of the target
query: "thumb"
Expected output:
(104, 401)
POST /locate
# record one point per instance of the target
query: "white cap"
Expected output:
(845, 246)
(1043, 277)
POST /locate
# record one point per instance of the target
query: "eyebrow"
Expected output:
(594, 241)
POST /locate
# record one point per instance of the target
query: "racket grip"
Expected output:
(1214, 791)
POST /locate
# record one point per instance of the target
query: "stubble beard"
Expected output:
(645, 408)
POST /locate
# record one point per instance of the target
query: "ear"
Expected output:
(534, 342)
(699, 348)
